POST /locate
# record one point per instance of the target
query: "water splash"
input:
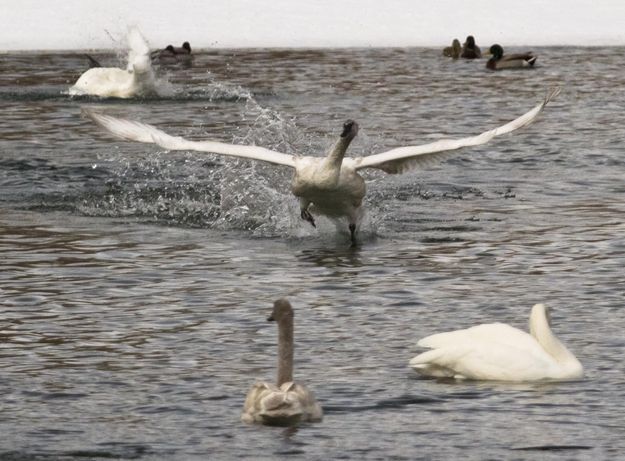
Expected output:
(196, 190)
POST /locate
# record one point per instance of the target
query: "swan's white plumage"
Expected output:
(131, 130)
(331, 185)
(112, 82)
(499, 352)
(403, 159)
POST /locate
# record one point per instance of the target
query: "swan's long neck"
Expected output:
(336, 155)
(285, 350)
(331, 166)
(540, 329)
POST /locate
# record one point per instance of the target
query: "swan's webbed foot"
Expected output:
(352, 231)
(308, 217)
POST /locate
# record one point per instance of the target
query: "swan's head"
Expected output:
(281, 310)
(350, 130)
(187, 47)
(496, 51)
(540, 311)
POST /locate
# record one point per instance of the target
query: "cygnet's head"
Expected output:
(470, 41)
(350, 130)
(170, 48)
(187, 46)
(281, 309)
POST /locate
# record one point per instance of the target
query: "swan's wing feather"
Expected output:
(130, 130)
(494, 351)
(288, 404)
(312, 411)
(403, 159)
(483, 360)
(494, 334)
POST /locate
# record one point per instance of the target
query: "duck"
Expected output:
(329, 185)
(454, 50)
(499, 61)
(470, 50)
(499, 352)
(285, 403)
(112, 82)
(171, 51)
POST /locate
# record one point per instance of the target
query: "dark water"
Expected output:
(135, 282)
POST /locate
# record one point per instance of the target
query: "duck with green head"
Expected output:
(511, 61)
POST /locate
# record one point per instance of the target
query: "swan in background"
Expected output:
(497, 351)
(328, 185)
(500, 61)
(285, 403)
(112, 82)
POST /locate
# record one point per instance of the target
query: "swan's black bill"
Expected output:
(347, 128)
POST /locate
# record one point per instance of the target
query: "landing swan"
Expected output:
(284, 403)
(111, 82)
(327, 185)
(497, 351)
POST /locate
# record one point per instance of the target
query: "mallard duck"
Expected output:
(512, 61)
(285, 403)
(470, 50)
(497, 351)
(454, 50)
(171, 52)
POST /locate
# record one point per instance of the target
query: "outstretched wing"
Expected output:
(130, 130)
(403, 159)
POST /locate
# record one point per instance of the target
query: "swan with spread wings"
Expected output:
(330, 185)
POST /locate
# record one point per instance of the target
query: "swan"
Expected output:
(497, 351)
(330, 185)
(500, 61)
(285, 403)
(112, 82)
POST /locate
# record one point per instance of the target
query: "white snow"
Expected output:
(90, 24)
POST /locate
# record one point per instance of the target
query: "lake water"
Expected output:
(135, 283)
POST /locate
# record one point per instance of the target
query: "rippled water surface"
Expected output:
(135, 283)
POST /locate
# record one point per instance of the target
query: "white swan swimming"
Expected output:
(327, 185)
(286, 403)
(497, 351)
(112, 82)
